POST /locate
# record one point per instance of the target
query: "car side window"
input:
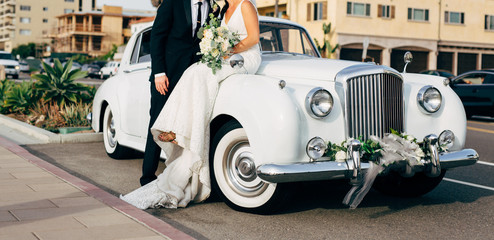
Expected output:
(141, 52)
(473, 79)
(489, 79)
(145, 49)
(135, 51)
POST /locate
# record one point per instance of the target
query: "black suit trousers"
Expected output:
(152, 151)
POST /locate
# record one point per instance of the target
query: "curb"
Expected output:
(151, 222)
(47, 136)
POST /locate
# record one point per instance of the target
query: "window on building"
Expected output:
(68, 10)
(24, 32)
(317, 11)
(25, 8)
(25, 20)
(418, 14)
(69, 0)
(45, 20)
(454, 17)
(489, 22)
(385, 11)
(358, 9)
(45, 9)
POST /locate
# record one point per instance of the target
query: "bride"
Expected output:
(182, 128)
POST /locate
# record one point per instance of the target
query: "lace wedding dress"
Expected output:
(187, 113)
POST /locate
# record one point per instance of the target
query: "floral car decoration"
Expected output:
(303, 118)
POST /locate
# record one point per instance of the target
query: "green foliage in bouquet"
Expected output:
(58, 84)
(216, 43)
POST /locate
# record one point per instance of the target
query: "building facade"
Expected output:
(25, 21)
(454, 35)
(94, 32)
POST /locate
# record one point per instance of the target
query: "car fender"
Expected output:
(451, 115)
(269, 115)
(105, 96)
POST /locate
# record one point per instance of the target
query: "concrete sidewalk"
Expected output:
(41, 201)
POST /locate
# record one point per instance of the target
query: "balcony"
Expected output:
(94, 29)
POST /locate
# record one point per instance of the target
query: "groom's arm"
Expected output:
(159, 36)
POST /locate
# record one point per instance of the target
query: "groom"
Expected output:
(174, 47)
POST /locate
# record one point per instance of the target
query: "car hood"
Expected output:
(9, 62)
(284, 65)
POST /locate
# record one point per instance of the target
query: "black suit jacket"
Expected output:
(173, 49)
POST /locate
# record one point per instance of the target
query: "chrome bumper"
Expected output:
(328, 170)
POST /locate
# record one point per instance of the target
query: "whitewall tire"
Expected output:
(112, 147)
(233, 173)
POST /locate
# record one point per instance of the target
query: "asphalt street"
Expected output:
(461, 207)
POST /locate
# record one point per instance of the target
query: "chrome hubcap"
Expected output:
(240, 170)
(110, 132)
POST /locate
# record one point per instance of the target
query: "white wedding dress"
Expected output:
(187, 113)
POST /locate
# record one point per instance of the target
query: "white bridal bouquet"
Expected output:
(216, 43)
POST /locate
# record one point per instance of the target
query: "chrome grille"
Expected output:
(374, 105)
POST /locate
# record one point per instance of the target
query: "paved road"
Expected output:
(89, 81)
(461, 207)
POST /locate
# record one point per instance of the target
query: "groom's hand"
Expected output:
(161, 83)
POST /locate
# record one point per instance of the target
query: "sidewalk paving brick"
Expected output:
(41, 201)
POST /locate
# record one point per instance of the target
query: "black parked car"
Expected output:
(442, 73)
(476, 91)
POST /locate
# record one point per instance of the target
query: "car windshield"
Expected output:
(278, 37)
(6, 56)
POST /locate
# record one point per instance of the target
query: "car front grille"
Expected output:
(374, 105)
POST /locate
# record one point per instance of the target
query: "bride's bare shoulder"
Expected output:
(248, 7)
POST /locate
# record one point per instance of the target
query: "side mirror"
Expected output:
(236, 61)
(408, 58)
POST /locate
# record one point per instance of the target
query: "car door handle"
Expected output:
(476, 90)
(137, 69)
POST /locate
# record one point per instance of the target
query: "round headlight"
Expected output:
(316, 148)
(319, 102)
(446, 139)
(430, 99)
(17, 67)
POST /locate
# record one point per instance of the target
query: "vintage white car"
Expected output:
(270, 129)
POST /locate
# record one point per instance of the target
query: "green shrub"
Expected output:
(5, 87)
(75, 114)
(58, 85)
(20, 98)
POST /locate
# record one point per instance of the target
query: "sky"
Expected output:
(128, 4)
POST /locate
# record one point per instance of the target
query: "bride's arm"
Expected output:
(251, 21)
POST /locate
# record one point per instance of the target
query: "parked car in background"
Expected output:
(476, 91)
(271, 129)
(442, 73)
(110, 69)
(12, 66)
(24, 66)
(100, 63)
(93, 70)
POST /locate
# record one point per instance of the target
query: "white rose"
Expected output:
(419, 153)
(340, 156)
(208, 34)
(410, 138)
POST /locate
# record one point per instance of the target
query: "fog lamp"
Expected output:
(446, 139)
(316, 148)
